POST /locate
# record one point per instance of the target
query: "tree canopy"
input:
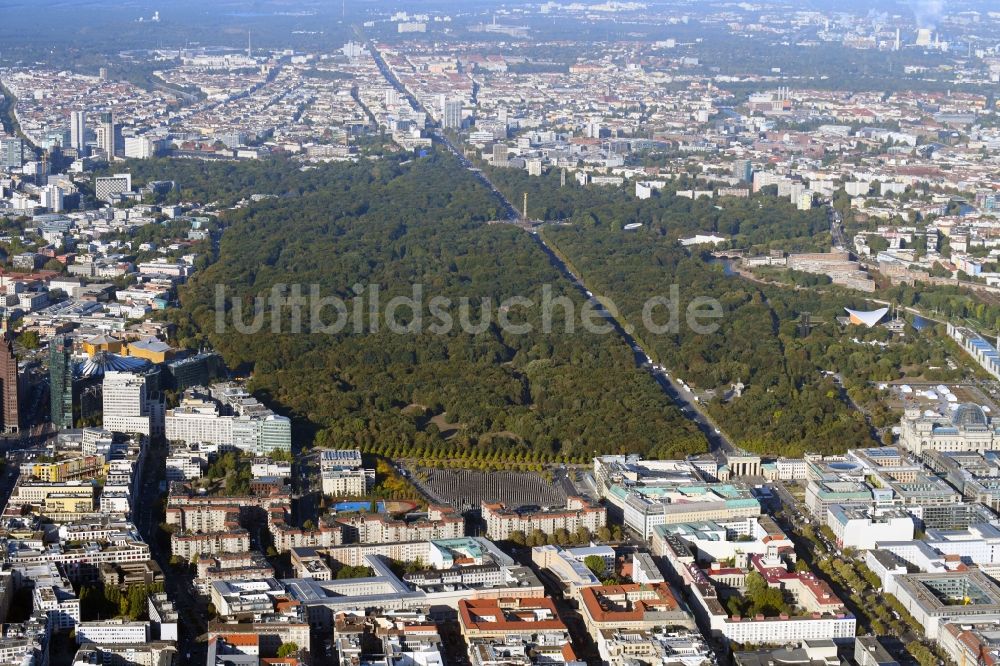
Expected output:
(494, 395)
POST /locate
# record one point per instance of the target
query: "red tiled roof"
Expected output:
(241, 639)
(472, 614)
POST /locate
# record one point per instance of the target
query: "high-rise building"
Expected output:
(499, 154)
(101, 132)
(451, 113)
(127, 405)
(78, 130)
(61, 381)
(743, 169)
(353, 49)
(9, 385)
(51, 197)
(106, 132)
(12, 153)
(805, 200)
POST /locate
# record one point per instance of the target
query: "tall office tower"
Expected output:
(12, 153)
(499, 154)
(743, 169)
(100, 133)
(353, 50)
(126, 403)
(9, 385)
(451, 113)
(51, 197)
(78, 130)
(106, 134)
(61, 382)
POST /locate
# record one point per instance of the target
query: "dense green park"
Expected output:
(495, 397)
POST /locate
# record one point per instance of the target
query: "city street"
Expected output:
(147, 515)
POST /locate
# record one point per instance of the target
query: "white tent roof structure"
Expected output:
(869, 318)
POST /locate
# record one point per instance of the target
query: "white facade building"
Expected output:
(61, 606)
(78, 130)
(345, 482)
(791, 469)
(776, 631)
(861, 528)
(139, 147)
(203, 424)
(183, 467)
(127, 406)
(117, 632)
(451, 113)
